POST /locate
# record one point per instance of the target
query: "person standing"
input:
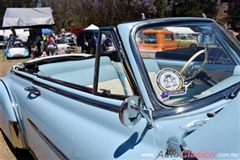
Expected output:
(29, 46)
(103, 38)
(38, 40)
(51, 45)
(10, 41)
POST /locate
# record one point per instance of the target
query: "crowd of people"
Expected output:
(41, 45)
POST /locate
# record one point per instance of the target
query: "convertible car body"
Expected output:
(181, 103)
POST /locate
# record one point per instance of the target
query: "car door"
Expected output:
(69, 122)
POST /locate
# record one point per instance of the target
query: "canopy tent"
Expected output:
(27, 17)
(46, 31)
(92, 27)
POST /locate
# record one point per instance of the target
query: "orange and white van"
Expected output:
(153, 40)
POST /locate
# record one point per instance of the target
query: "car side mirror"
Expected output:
(132, 111)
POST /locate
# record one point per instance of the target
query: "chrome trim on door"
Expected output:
(54, 148)
(16, 138)
(83, 99)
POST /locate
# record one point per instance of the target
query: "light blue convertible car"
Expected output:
(126, 103)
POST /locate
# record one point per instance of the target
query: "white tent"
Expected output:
(92, 27)
(7, 32)
(27, 17)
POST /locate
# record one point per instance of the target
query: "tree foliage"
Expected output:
(99, 12)
(194, 8)
(112, 12)
(160, 6)
(233, 14)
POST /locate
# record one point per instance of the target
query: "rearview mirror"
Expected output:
(206, 38)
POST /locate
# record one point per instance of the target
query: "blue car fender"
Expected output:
(8, 121)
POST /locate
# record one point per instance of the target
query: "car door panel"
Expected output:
(45, 117)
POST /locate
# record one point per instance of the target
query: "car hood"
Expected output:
(219, 135)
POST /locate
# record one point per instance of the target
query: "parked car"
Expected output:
(186, 41)
(63, 46)
(16, 49)
(87, 40)
(152, 40)
(68, 37)
(182, 103)
(3, 42)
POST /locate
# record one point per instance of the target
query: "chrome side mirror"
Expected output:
(132, 111)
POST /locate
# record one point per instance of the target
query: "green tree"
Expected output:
(160, 6)
(233, 14)
(99, 12)
(63, 12)
(194, 8)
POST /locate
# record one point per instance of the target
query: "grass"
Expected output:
(7, 64)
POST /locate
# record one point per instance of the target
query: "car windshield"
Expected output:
(17, 43)
(200, 59)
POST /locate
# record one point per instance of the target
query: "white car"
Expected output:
(69, 37)
(63, 46)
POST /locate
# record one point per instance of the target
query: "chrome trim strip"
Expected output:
(54, 148)
(158, 112)
(16, 135)
(224, 94)
(77, 97)
(163, 110)
(17, 138)
(142, 68)
(33, 154)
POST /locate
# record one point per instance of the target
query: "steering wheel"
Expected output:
(193, 75)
